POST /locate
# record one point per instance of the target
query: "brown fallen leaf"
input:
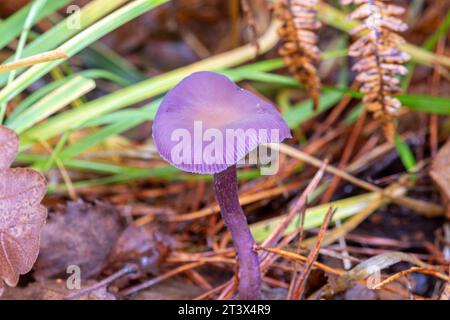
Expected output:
(440, 173)
(369, 269)
(21, 215)
(82, 235)
(145, 245)
(360, 292)
(9, 145)
(53, 290)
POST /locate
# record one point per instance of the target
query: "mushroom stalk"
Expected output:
(226, 190)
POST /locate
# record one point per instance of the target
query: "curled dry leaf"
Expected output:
(366, 269)
(9, 145)
(145, 245)
(360, 292)
(440, 173)
(83, 234)
(21, 214)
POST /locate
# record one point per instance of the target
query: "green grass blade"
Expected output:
(62, 32)
(79, 42)
(429, 104)
(45, 90)
(52, 103)
(99, 136)
(100, 56)
(304, 111)
(405, 153)
(314, 216)
(31, 17)
(146, 112)
(12, 27)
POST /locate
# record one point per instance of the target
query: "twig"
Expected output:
(160, 278)
(211, 292)
(244, 200)
(346, 155)
(343, 245)
(31, 16)
(273, 238)
(299, 244)
(119, 274)
(427, 271)
(350, 224)
(434, 118)
(425, 208)
(312, 257)
(299, 258)
(30, 61)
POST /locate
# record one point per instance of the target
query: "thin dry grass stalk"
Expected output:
(126, 270)
(158, 279)
(431, 271)
(380, 58)
(427, 209)
(300, 204)
(299, 258)
(36, 59)
(299, 288)
(274, 237)
(299, 49)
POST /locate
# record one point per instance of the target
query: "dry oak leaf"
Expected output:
(440, 173)
(145, 245)
(81, 234)
(21, 215)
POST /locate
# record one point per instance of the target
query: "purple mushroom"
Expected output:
(206, 125)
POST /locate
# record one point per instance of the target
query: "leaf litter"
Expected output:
(83, 234)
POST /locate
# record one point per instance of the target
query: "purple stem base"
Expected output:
(226, 189)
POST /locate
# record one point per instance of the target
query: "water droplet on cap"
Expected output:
(259, 108)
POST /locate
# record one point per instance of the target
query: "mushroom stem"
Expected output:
(226, 190)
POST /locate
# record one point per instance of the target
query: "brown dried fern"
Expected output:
(380, 57)
(299, 49)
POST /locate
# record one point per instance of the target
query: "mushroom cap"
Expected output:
(207, 123)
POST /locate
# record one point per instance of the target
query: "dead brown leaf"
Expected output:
(83, 235)
(145, 245)
(360, 292)
(440, 173)
(372, 268)
(21, 215)
(9, 145)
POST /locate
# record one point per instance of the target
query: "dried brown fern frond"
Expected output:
(299, 49)
(380, 57)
